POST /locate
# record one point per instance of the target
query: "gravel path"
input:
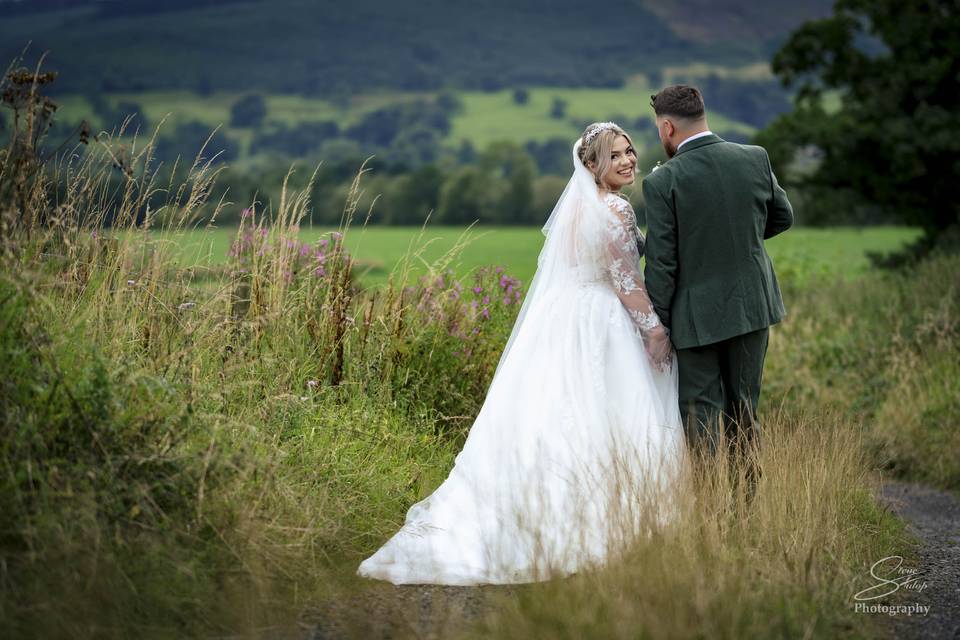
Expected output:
(413, 611)
(934, 518)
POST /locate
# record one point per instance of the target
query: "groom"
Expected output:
(709, 209)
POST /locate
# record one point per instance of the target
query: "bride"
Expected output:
(578, 443)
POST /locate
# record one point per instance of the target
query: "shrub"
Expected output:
(248, 112)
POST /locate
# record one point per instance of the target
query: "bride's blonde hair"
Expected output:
(596, 143)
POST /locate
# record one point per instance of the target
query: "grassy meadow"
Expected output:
(801, 256)
(212, 456)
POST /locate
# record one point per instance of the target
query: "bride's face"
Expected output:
(623, 165)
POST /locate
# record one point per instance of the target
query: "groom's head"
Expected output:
(680, 114)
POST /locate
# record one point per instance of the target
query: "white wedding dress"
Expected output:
(578, 444)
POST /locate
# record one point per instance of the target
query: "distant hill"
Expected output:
(326, 48)
(729, 21)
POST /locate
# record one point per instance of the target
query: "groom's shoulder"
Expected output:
(753, 151)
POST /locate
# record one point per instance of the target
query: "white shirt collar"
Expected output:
(694, 137)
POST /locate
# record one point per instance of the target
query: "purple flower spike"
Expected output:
(478, 290)
(485, 313)
(486, 299)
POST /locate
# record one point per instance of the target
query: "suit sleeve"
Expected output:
(660, 272)
(779, 210)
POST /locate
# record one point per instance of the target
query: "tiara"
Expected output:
(602, 126)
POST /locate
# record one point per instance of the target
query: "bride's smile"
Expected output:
(622, 168)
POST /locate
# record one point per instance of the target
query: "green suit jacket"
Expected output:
(709, 209)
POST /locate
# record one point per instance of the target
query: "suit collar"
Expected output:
(699, 142)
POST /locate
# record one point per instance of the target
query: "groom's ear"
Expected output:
(670, 127)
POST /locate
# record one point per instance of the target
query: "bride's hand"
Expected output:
(659, 348)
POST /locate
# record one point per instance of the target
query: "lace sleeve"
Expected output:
(622, 264)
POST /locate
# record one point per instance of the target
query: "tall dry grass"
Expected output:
(781, 562)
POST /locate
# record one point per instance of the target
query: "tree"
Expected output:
(300, 140)
(755, 102)
(415, 146)
(893, 143)
(498, 189)
(511, 171)
(521, 96)
(449, 103)
(464, 196)
(552, 156)
(187, 140)
(558, 110)
(414, 196)
(249, 112)
(127, 109)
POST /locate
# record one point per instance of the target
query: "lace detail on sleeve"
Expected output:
(644, 321)
(622, 263)
(622, 260)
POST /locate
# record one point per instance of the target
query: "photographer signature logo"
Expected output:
(890, 577)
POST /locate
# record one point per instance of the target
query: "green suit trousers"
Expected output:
(719, 388)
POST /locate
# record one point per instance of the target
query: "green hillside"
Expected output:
(425, 88)
(484, 117)
(330, 48)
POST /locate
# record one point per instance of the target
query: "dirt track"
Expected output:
(934, 518)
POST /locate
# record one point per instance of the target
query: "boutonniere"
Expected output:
(655, 167)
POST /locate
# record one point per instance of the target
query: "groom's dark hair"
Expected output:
(679, 101)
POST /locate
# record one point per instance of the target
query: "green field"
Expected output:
(488, 117)
(799, 255)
